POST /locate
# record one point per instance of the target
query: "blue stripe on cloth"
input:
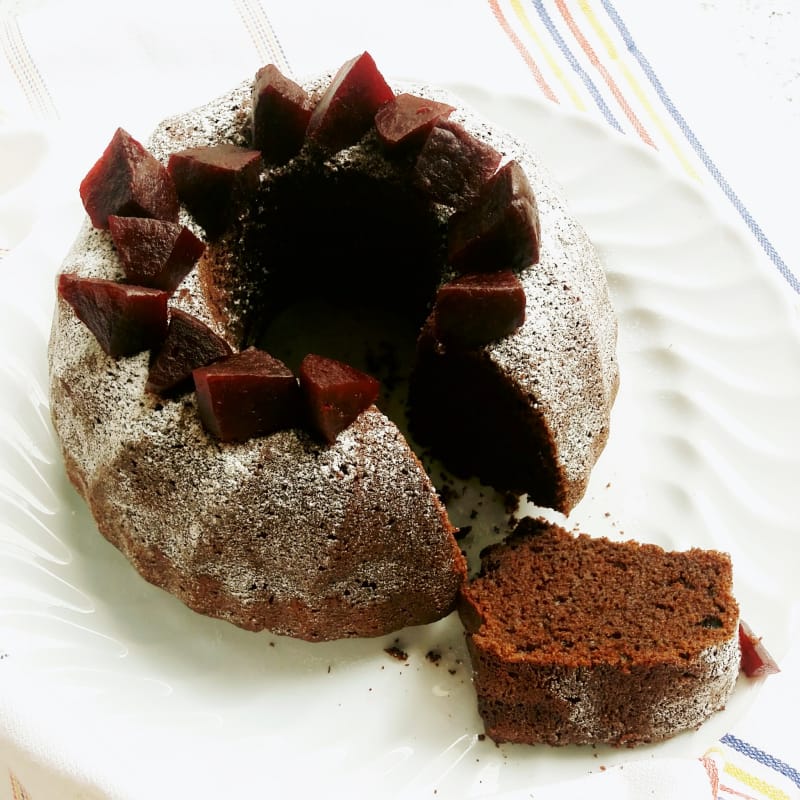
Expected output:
(575, 64)
(754, 227)
(763, 758)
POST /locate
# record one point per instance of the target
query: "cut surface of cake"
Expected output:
(578, 640)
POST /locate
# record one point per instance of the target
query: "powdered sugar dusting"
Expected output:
(674, 705)
(280, 521)
(570, 331)
(564, 355)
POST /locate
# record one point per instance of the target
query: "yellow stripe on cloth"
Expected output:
(754, 782)
(549, 58)
(522, 49)
(717, 760)
(17, 789)
(640, 94)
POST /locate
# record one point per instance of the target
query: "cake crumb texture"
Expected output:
(576, 639)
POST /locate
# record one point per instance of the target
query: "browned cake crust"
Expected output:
(281, 532)
(577, 639)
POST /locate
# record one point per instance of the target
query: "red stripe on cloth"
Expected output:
(713, 773)
(17, 789)
(734, 793)
(606, 75)
(523, 51)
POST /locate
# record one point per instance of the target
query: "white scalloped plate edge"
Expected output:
(702, 343)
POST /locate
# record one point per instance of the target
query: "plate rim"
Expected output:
(780, 293)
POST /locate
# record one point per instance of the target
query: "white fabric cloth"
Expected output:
(84, 65)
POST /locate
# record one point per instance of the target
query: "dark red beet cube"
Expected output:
(281, 111)
(213, 182)
(756, 660)
(500, 230)
(475, 309)
(347, 109)
(128, 181)
(247, 394)
(189, 344)
(125, 319)
(406, 120)
(335, 394)
(154, 252)
(453, 165)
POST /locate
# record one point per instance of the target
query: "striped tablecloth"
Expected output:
(714, 87)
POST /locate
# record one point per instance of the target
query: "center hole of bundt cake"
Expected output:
(347, 266)
(352, 239)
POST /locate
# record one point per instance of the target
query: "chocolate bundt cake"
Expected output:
(577, 640)
(191, 438)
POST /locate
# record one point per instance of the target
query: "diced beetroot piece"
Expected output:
(128, 181)
(125, 319)
(335, 394)
(189, 344)
(407, 120)
(347, 109)
(453, 165)
(756, 661)
(154, 252)
(214, 181)
(478, 308)
(281, 111)
(500, 230)
(247, 394)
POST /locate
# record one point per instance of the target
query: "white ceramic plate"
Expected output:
(117, 678)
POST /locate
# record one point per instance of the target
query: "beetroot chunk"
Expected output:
(154, 252)
(453, 165)
(756, 661)
(124, 319)
(335, 394)
(247, 394)
(347, 109)
(128, 181)
(500, 230)
(475, 309)
(214, 181)
(281, 111)
(189, 344)
(406, 120)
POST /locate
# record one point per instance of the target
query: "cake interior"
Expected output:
(585, 601)
(577, 639)
(490, 436)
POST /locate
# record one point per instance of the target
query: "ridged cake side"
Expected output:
(559, 371)
(280, 532)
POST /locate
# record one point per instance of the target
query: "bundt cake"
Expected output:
(576, 639)
(277, 495)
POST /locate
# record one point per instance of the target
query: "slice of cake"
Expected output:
(576, 639)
